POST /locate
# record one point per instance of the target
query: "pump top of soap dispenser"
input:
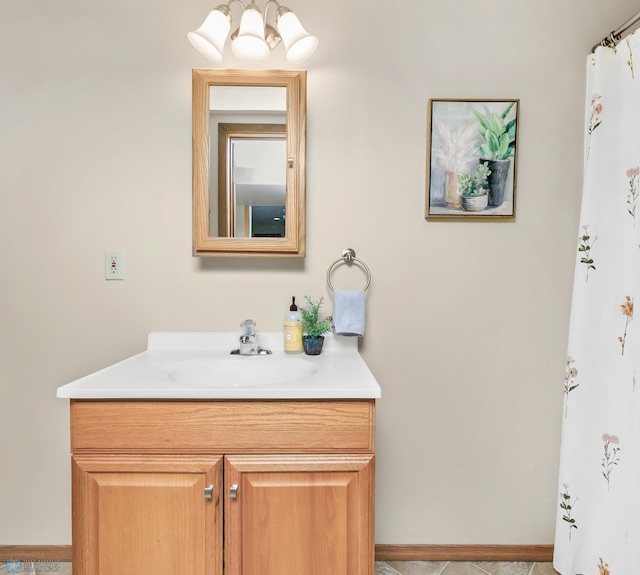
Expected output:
(293, 306)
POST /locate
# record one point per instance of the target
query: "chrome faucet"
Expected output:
(248, 343)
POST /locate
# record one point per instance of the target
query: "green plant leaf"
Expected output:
(497, 124)
(503, 148)
(494, 144)
(506, 111)
(483, 121)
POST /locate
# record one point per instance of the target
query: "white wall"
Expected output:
(466, 321)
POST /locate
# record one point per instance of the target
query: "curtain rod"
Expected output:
(612, 39)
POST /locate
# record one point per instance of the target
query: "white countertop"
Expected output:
(196, 365)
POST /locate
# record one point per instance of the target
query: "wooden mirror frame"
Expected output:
(293, 244)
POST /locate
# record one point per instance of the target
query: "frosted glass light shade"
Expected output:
(209, 39)
(250, 44)
(298, 43)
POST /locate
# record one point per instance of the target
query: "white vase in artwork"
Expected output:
(475, 203)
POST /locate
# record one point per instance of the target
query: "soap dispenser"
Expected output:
(293, 329)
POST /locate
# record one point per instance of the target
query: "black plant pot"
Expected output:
(497, 180)
(312, 345)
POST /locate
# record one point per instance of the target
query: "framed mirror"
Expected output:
(249, 130)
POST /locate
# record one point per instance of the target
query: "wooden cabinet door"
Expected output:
(299, 514)
(146, 515)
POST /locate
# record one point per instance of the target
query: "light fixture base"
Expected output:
(271, 36)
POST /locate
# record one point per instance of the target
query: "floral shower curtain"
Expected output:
(598, 517)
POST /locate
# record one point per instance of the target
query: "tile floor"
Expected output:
(463, 568)
(382, 568)
(35, 567)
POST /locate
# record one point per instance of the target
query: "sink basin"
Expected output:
(198, 366)
(241, 371)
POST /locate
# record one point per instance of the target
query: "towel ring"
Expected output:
(349, 257)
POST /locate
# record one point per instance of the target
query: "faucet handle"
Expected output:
(248, 327)
(248, 345)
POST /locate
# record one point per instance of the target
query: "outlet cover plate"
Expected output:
(114, 265)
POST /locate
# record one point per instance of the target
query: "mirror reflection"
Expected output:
(249, 162)
(247, 170)
(251, 180)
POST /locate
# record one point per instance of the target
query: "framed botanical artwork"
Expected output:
(471, 164)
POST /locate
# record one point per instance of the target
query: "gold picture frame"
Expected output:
(472, 150)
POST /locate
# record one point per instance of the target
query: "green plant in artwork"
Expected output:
(569, 381)
(498, 134)
(630, 60)
(610, 459)
(584, 245)
(594, 118)
(312, 324)
(472, 185)
(632, 197)
(627, 311)
(565, 505)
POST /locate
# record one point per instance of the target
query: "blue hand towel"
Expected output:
(349, 312)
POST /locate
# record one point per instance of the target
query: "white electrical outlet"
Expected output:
(114, 265)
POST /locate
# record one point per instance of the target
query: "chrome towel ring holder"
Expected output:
(349, 257)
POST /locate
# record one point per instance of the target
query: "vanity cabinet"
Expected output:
(145, 514)
(275, 487)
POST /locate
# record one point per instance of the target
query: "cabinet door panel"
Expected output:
(299, 515)
(144, 515)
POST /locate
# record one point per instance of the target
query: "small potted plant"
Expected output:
(313, 327)
(474, 189)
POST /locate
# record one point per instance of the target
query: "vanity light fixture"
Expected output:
(254, 39)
